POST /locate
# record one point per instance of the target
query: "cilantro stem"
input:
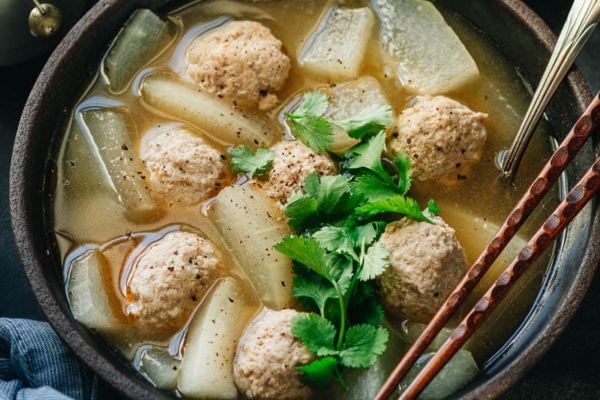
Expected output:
(343, 302)
(340, 379)
(361, 262)
(344, 316)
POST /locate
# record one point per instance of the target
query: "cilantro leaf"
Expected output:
(396, 204)
(368, 155)
(334, 238)
(301, 210)
(328, 190)
(375, 262)
(372, 311)
(316, 333)
(367, 233)
(348, 202)
(314, 287)
(433, 208)
(363, 344)
(405, 176)
(322, 196)
(320, 373)
(431, 211)
(306, 251)
(311, 184)
(314, 104)
(315, 132)
(365, 307)
(307, 122)
(337, 266)
(245, 161)
(372, 187)
(344, 281)
(370, 120)
(344, 240)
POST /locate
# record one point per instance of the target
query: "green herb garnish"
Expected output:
(313, 130)
(338, 221)
(308, 123)
(372, 119)
(243, 160)
(400, 205)
(337, 280)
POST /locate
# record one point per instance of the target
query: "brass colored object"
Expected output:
(44, 20)
(581, 22)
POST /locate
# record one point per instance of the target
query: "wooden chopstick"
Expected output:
(577, 198)
(563, 155)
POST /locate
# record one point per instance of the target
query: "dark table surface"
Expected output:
(570, 370)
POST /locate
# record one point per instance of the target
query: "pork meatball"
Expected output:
(426, 263)
(170, 279)
(242, 61)
(183, 168)
(267, 357)
(439, 135)
(293, 161)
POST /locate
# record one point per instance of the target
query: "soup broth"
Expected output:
(87, 212)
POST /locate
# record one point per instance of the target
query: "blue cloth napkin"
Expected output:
(36, 365)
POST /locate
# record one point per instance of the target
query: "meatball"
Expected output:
(170, 279)
(426, 263)
(183, 168)
(293, 161)
(267, 357)
(439, 135)
(242, 61)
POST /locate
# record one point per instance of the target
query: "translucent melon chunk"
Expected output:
(160, 367)
(459, 371)
(336, 49)
(474, 235)
(144, 36)
(212, 339)
(347, 100)
(431, 58)
(111, 134)
(218, 119)
(87, 297)
(409, 331)
(251, 224)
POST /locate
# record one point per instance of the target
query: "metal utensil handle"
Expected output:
(39, 7)
(581, 22)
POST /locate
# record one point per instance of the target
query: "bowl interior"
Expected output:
(522, 37)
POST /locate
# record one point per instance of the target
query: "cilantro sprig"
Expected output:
(343, 344)
(312, 129)
(243, 160)
(372, 119)
(308, 123)
(338, 221)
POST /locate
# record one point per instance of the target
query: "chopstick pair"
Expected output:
(562, 215)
